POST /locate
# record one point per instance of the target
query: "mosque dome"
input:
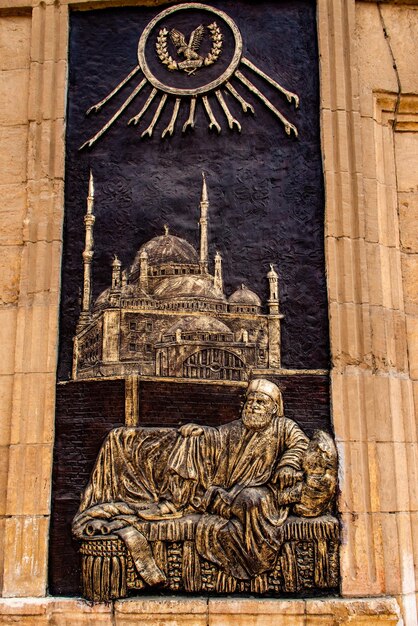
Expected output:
(201, 323)
(188, 286)
(166, 249)
(244, 296)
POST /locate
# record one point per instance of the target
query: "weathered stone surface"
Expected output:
(8, 320)
(372, 56)
(412, 338)
(28, 489)
(402, 28)
(10, 258)
(410, 282)
(33, 394)
(14, 41)
(13, 140)
(25, 556)
(408, 219)
(36, 349)
(362, 564)
(12, 214)
(357, 611)
(6, 396)
(14, 97)
(250, 612)
(406, 149)
(4, 468)
(219, 612)
(167, 612)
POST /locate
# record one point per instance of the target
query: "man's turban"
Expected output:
(261, 385)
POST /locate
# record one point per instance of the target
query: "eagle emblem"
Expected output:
(189, 50)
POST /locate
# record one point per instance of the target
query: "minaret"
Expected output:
(218, 280)
(274, 317)
(143, 271)
(88, 252)
(273, 300)
(116, 277)
(204, 205)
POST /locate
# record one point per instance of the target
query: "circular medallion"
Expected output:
(189, 49)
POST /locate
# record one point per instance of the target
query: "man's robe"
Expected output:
(240, 525)
(240, 529)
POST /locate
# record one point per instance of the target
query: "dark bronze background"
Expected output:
(266, 205)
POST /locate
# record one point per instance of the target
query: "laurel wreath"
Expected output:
(161, 47)
(167, 59)
(216, 35)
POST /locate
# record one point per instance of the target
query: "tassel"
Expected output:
(88, 580)
(105, 585)
(191, 573)
(97, 579)
(116, 578)
(159, 550)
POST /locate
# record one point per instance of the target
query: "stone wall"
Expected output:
(369, 114)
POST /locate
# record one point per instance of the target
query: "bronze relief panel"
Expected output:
(192, 396)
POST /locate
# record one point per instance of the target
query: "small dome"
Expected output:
(244, 296)
(103, 300)
(188, 286)
(201, 323)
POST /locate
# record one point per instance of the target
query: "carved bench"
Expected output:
(307, 560)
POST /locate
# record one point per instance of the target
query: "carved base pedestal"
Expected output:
(307, 561)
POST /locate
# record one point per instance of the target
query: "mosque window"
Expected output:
(132, 325)
(148, 326)
(132, 347)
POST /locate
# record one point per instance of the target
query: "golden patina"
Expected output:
(220, 496)
(194, 64)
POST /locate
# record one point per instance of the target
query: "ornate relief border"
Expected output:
(371, 391)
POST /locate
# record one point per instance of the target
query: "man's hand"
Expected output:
(287, 477)
(191, 430)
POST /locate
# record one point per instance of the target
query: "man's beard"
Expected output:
(256, 421)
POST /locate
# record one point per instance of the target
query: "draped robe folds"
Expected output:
(229, 474)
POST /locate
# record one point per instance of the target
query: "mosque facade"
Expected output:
(166, 315)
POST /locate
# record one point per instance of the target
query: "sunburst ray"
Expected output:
(134, 120)
(190, 62)
(189, 123)
(157, 114)
(287, 125)
(213, 123)
(246, 106)
(121, 109)
(96, 107)
(169, 130)
(289, 94)
(232, 122)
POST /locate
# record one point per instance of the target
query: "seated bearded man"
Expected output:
(231, 475)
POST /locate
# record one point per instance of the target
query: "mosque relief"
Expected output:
(167, 314)
(194, 444)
